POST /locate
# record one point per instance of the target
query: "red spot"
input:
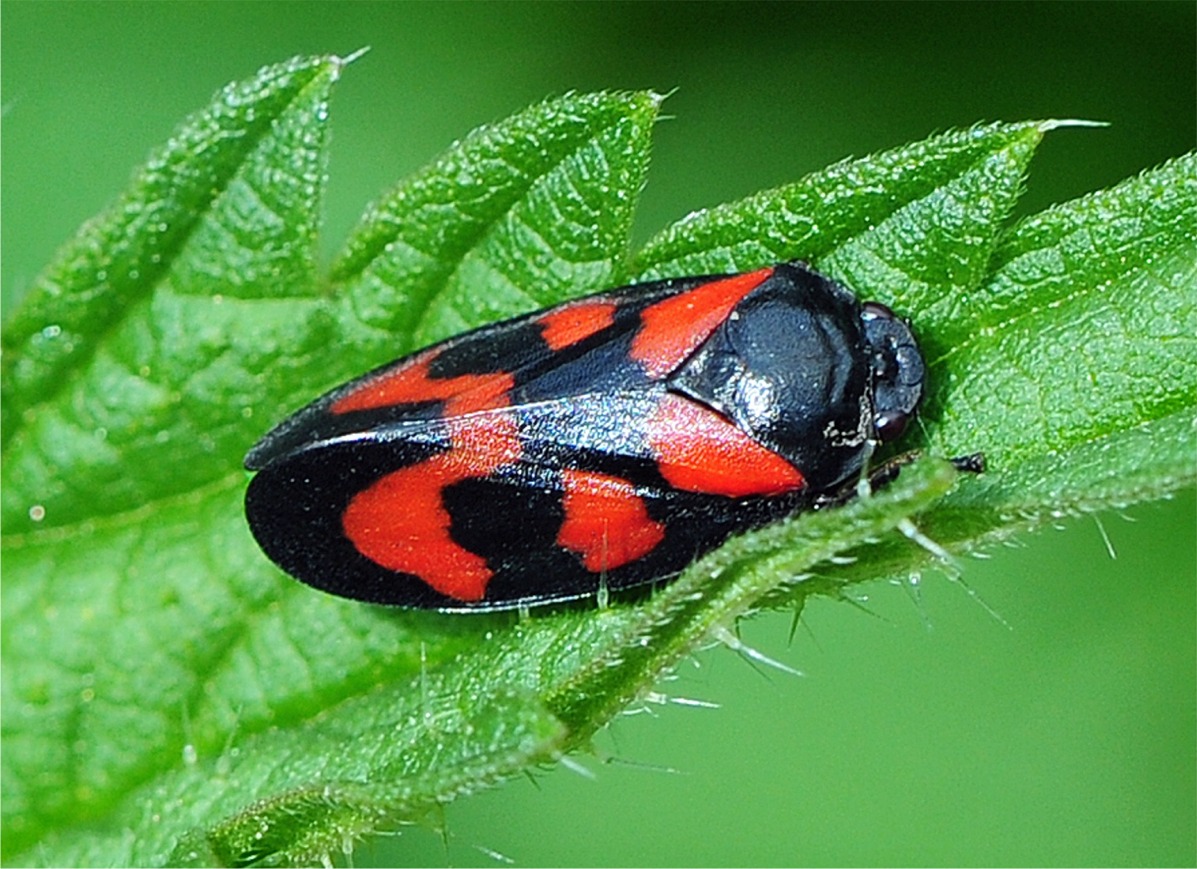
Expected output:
(570, 324)
(410, 384)
(400, 521)
(606, 522)
(699, 450)
(401, 524)
(673, 328)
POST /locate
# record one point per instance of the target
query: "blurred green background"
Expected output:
(925, 733)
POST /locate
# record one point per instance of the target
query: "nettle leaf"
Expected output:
(134, 366)
(1080, 348)
(1073, 365)
(170, 698)
(518, 216)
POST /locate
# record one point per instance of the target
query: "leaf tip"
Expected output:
(342, 62)
(1057, 123)
(656, 99)
(659, 98)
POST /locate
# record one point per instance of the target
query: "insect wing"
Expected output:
(519, 462)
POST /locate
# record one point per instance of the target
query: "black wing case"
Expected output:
(464, 445)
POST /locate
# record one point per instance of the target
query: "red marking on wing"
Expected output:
(673, 328)
(700, 451)
(400, 521)
(572, 323)
(606, 522)
(411, 384)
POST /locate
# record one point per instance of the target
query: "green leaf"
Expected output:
(929, 210)
(170, 697)
(1074, 365)
(518, 216)
(133, 370)
(1081, 343)
(146, 628)
(128, 376)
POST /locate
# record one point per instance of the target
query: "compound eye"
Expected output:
(873, 310)
(898, 370)
(891, 426)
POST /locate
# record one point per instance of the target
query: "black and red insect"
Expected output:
(607, 441)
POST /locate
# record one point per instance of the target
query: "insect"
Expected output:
(604, 442)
